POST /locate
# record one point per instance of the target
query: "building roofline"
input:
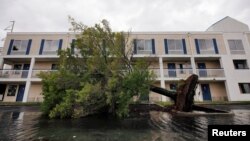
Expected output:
(224, 19)
(136, 32)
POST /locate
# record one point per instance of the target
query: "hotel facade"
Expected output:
(220, 56)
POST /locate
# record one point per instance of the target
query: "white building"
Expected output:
(220, 56)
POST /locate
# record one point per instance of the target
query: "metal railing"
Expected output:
(49, 52)
(156, 71)
(17, 52)
(179, 73)
(144, 52)
(35, 99)
(35, 73)
(210, 72)
(175, 52)
(207, 52)
(14, 73)
(237, 51)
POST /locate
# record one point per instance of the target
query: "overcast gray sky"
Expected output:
(134, 15)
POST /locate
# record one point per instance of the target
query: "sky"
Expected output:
(123, 15)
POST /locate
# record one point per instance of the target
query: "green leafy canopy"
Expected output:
(98, 74)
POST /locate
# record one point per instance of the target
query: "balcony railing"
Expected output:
(210, 72)
(35, 99)
(49, 52)
(18, 52)
(179, 73)
(35, 73)
(237, 51)
(207, 52)
(14, 73)
(144, 52)
(175, 52)
(156, 72)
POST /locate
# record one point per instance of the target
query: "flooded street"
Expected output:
(25, 124)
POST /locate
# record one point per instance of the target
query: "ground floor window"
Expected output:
(12, 90)
(244, 88)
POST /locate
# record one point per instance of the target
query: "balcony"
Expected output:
(18, 52)
(156, 71)
(207, 52)
(210, 73)
(9, 74)
(14, 73)
(237, 51)
(177, 73)
(35, 73)
(144, 52)
(177, 52)
(49, 52)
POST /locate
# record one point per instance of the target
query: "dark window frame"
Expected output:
(242, 87)
(240, 64)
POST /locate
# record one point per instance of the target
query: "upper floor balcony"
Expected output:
(35, 73)
(177, 73)
(210, 73)
(167, 73)
(8, 74)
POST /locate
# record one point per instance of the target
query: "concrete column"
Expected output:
(32, 63)
(193, 65)
(28, 82)
(1, 63)
(161, 68)
(26, 91)
(163, 98)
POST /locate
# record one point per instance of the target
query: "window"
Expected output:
(172, 87)
(244, 87)
(236, 46)
(240, 64)
(206, 46)
(17, 68)
(51, 46)
(12, 90)
(54, 67)
(175, 47)
(19, 47)
(144, 46)
(181, 68)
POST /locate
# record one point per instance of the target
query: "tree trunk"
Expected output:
(184, 96)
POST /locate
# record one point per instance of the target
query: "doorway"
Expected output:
(2, 91)
(206, 92)
(20, 93)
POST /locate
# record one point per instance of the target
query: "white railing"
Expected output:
(49, 52)
(179, 73)
(18, 52)
(207, 52)
(35, 99)
(14, 73)
(220, 98)
(144, 52)
(210, 72)
(35, 73)
(156, 71)
(237, 51)
(175, 52)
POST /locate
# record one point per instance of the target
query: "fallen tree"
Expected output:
(183, 97)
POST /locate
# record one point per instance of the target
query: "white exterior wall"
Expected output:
(236, 76)
(231, 79)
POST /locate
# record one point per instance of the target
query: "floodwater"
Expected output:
(25, 124)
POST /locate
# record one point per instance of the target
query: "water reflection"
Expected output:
(25, 123)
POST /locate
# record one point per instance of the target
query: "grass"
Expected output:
(20, 103)
(164, 103)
